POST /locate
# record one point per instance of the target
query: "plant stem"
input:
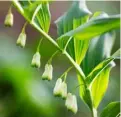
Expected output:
(94, 112)
(50, 60)
(38, 47)
(77, 67)
(24, 26)
(65, 73)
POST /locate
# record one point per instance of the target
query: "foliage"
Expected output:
(86, 40)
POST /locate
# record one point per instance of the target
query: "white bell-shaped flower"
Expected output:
(60, 89)
(57, 88)
(64, 90)
(21, 41)
(71, 103)
(48, 73)
(9, 20)
(36, 60)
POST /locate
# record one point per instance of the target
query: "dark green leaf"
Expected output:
(111, 110)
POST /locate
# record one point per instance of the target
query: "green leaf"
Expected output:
(98, 79)
(111, 110)
(99, 49)
(84, 92)
(101, 66)
(117, 54)
(97, 70)
(95, 27)
(36, 11)
(99, 86)
(77, 15)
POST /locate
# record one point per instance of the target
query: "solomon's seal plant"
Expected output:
(86, 39)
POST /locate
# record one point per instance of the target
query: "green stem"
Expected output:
(38, 47)
(10, 9)
(23, 29)
(65, 73)
(77, 67)
(50, 60)
(94, 112)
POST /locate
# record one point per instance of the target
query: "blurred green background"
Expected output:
(22, 92)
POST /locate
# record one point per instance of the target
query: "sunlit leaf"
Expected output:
(84, 92)
(101, 66)
(99, 49)
(77, 15)
(117, 54)
(98, 79)
(99, 86)
(111, 110)
(36, 11)
(95, 27)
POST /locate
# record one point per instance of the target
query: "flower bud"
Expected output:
(9, 20)
(57, 88)
(21, 41)
(60, 89)
(47, 75)
(71, 103)
(36, 60)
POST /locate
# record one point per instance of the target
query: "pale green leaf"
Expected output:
(95, 27)
(35, 11)
(84, 92)
(99, 49)
(101, 66)
(117, 54)
(77, 15)
(98, 79)
(99, 86)
(111, 110)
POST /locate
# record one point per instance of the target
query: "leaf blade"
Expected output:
(98, 79)
(111, 110)
(95, 27)
(76, 16)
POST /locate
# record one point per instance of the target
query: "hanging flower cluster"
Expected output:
(60, 88)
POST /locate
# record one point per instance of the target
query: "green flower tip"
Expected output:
(60, 89)
(48, 73)
(21, 41)
(36, 60)
(71, 103)
(9, 20)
